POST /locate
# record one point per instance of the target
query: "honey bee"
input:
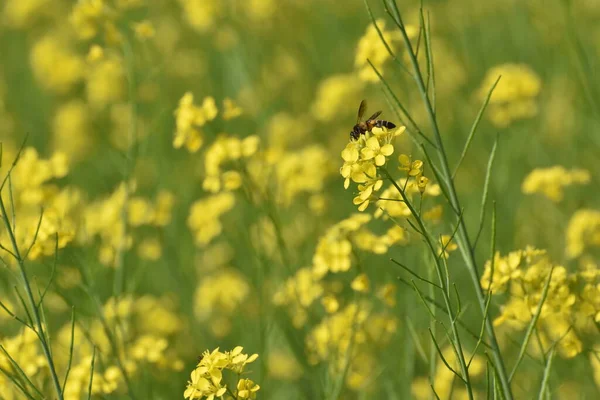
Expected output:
(362, 127)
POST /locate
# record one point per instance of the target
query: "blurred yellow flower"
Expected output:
(515, 96)
(203, 219)
(583, 231)
(551, 181)
(333, 95)
(371, 48)
(144, 30)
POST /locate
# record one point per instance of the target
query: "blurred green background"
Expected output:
(99, 82)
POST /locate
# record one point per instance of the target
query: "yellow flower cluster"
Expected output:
(298, 294)
(349, 338)
(570, 305)
(302, 171)
(334, 249)
(189, 118)
(218, 297)
(332, 96)
(105, 219)
(552, 181)
(206, 380)
(370, 47)
(583, 232)
(362, 157)
(57, 50)
(515, 96)
(223, 151)
(334, 255)
(144, 328)
(25, 351)
(203, 219)
(33, 191)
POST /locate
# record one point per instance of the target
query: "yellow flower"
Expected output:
(246, 389)
(360, 283)
(230, 109)
(144, 30)
(551, 181)
(583, 232)
(412, 168)
(189, 118)
(373, 149)
(370, 47)
(515, 96)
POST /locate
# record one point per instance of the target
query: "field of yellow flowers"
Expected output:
(190, 206)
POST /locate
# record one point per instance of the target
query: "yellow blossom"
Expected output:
(515, 96)
(552, 181)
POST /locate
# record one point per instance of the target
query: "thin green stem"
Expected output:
(32, 303)
(463, 236)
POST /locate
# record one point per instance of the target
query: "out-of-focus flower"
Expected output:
(515, 96)
(224, 150)
(371, 48)
(204, 216)
(55, 63)
(230, 109)
(332, 96)
(220, 295)
(190, 118)
(144, 30)
(582, 232)
(552, 181)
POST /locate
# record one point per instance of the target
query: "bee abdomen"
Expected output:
(381, 123)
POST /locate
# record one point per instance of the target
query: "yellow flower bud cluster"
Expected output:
(515, 96)
(552, 181)
(206, 379)
(362, 157)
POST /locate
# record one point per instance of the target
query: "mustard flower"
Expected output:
(412, 168)
(144, 30)
(362, 157)
(370, 47)
(230, 109)
(515, 96)
(203, 219)
(206, 378)
(583, 232)
(552, 181)
(189, 119)
(360, 283)
(246, 389)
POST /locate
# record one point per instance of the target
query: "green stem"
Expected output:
(463, 236)
(445, 292)
(36, 314)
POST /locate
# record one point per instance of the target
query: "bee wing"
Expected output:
(375, 115)
(361, 110)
